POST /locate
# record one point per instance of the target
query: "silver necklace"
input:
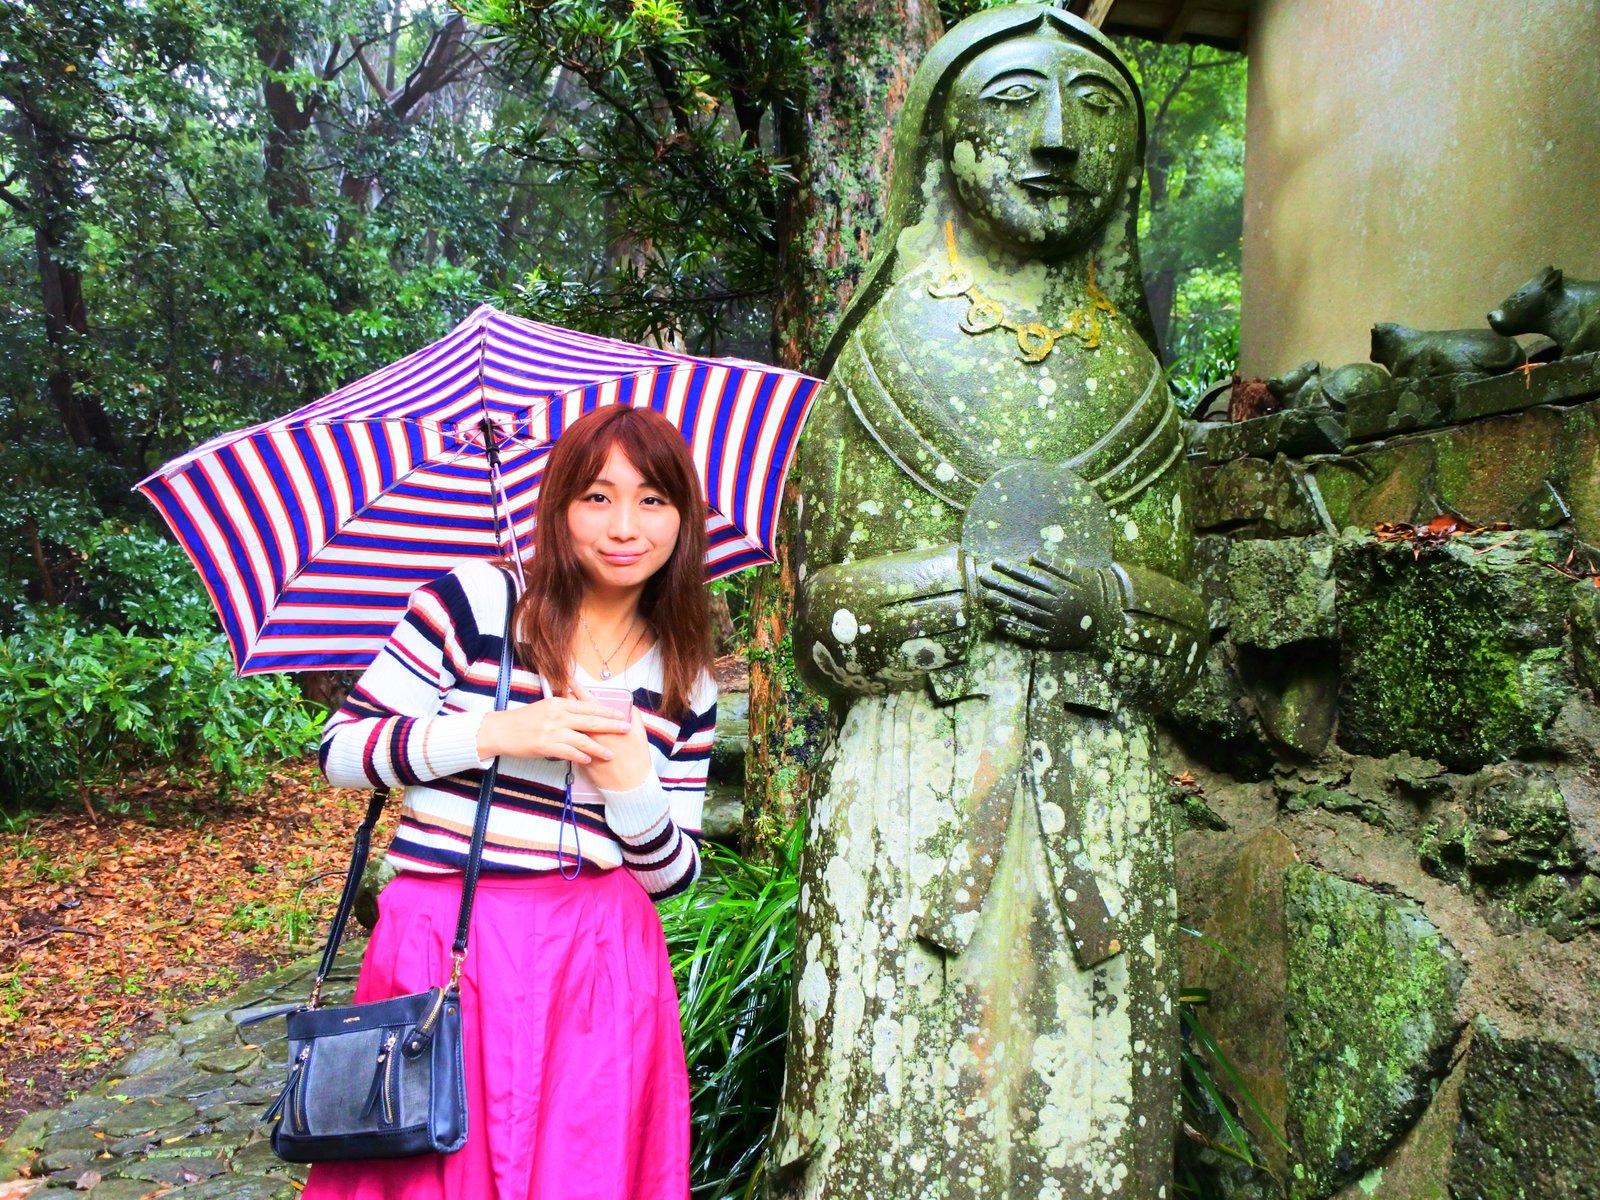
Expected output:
(605, 659)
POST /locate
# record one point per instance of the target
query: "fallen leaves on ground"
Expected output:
(175, 897)
(1432, 533)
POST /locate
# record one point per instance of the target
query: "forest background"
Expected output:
(214, 211)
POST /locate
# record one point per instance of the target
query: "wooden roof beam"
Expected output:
(1179, 25)
(1098, 12)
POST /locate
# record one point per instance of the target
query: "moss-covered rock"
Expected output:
(1281, 591)
(1240, 962)
(1217, 723)
(1393, 482)
(1586, 637)
(1457, 654)
(1530, 1109)
(1371, 994)
(1265, 499)
(1295, 695)
(1516, 821)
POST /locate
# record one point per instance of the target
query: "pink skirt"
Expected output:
(576, 1087)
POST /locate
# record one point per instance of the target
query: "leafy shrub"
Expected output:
(79, 708)
(732, 943)
(137, 580)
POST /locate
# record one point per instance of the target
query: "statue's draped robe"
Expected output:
(985, 993)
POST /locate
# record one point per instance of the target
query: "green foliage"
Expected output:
(668, 114)
(1203, 346)
(192, 241)
(76, 706)
(732, 942)
(1192, 209)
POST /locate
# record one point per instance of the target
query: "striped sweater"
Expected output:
(412, 721)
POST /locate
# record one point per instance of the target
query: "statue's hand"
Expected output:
(1050, 604)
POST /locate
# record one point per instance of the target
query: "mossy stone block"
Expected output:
(1391, 483)
(1281, 591)
(1562, 381)
(1240, 960)
(1500, 469)
(1369, 1021)
(1457, 654)
(380, 873)
(1516, 820)
(1580, 486)
(1404, 405)
(1211, 578)
(1529, 1111)
(728, 749)
(1586, 638)
(1253, 494)
(1216, 723)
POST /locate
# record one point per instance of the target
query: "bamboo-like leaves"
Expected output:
(732, 942)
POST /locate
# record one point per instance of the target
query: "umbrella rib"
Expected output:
(361, 512)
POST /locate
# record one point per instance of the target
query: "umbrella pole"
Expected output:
(492, 452)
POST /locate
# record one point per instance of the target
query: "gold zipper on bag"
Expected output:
(387, 1058)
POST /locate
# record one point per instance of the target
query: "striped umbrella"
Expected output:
(311, 530)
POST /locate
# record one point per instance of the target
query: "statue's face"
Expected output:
(1039, 135)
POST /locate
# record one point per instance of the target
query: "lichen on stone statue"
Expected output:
(995, 565)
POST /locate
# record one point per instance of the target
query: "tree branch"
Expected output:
(16, 201)
(331, 70)
(183, 181)
(667, 80)
(438, 60)
(366, 69)
(697, 173)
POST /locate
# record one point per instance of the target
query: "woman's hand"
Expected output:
(567, 727)
(1053, 605)
(627, 752)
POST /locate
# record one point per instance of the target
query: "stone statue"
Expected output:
(1567, 311)
(1418, 353)
(994, 565)
(1308, 386)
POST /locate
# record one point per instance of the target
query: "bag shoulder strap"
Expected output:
(480, 827)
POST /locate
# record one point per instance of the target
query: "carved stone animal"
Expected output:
(1565, 310)
(1309, 386)
(1418, 353)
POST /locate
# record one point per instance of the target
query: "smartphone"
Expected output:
(618, 700)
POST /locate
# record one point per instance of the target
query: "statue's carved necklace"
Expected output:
(1035, 339)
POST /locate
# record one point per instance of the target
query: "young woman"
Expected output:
(576, 1087)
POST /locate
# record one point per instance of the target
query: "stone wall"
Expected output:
(1393, 844)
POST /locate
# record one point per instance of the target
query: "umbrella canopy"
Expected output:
(311, 530)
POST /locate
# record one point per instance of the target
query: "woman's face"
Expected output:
(623, 529)
(1039, 135)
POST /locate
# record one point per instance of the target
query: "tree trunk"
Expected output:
(841, 143)
(66, 324)
(1161, 290)
(52, 196)
(287, 186)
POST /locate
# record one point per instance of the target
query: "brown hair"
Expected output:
(673, 603)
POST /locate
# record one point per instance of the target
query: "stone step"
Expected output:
(724, 813)
(732, 738)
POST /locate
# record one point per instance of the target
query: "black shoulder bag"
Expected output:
(383, 1080)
